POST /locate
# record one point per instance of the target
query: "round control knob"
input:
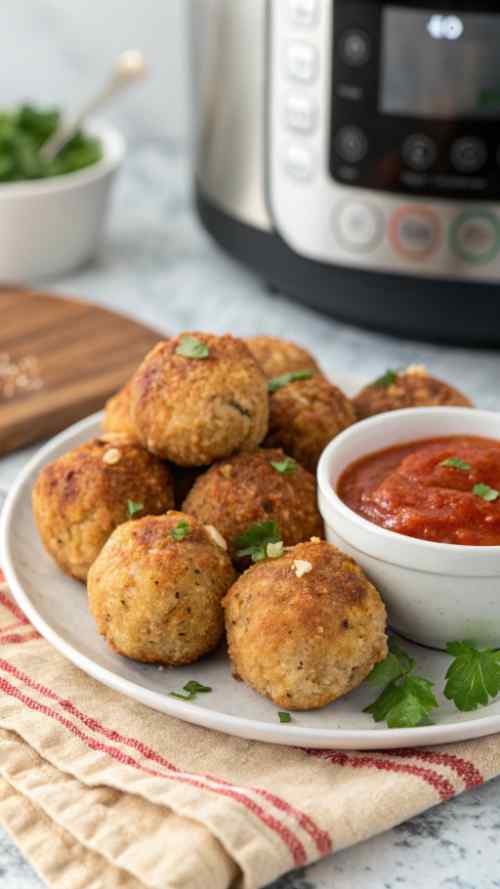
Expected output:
(359, 226)
(475, 236)
(468, 154)
(415, 231)
(355, 48)
(419, 152)
(351, 144)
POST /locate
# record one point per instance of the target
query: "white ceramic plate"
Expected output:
(57, 607)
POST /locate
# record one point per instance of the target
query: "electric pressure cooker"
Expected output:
(349, 151)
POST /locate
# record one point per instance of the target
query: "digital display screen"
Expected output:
(440, 65)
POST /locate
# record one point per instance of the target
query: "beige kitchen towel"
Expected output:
(101, 792)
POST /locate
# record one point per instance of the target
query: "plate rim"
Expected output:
(251, 729)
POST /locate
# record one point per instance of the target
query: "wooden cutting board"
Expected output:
(59, 361)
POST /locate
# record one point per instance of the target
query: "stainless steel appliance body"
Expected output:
(349, 151)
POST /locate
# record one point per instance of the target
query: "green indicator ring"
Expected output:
(469, 255)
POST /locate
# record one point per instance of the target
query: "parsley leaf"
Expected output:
(407, 700)
(190, 347)
(473, 677)
(456, 463)
(386, 379)
(397, 663)
(283, 380)
(181, 530)
(485, 492)
(190, 690)
(283, 716)
(133, 508)
(405, 703)
(286, 466)
(255, 541)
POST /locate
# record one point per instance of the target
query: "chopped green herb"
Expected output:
(386, 379)
(24, 130)
(190, 690)
(181, 530)
(485, 492)
(286, 466)
(397, 663)
(456, 463)
(133, 508)
(256, 539)
(407, 700)
(283, 716)
(291, 377)
(473, 677)
(190, 347)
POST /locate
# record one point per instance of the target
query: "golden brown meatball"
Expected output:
(305, 415)
(117, 415)
(306, 628)
(194, 410)
(412, 387)
(156, 588)
(246, 489)
(80, 498)
(276, 356)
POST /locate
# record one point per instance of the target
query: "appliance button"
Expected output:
(299, 162)
(419, 152)
(300, 113)
(358, 226)
(468, 154)
(415, 231)
(351, 144)
(475, 236)
(303, 12)
(355, 48)
(302, 61)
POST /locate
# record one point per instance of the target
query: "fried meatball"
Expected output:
(243, 490)
(305, 415)
(412, 387)
(155, 590)
(194, 410)
(80, 498)
(276, 356)
(306, 628)
(117, 415)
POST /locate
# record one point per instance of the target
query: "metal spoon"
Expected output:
(128, 68)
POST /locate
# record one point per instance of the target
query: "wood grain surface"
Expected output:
(59, 360)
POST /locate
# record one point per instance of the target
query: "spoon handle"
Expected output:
(129, 67)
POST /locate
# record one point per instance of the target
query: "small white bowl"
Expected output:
(49, 226)
(434, 592)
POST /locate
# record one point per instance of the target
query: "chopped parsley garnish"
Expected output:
(190, 690)
(456, 463)
(407, 700)
(473, 677)
(133, 508)
(386, 379)
(283, 716)
(181, 530)
(485, 492)
(286, 466)
(259, 541)
(190, 347)
(291, 377)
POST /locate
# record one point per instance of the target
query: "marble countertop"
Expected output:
(158, 265)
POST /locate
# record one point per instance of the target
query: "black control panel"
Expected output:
(416, 98)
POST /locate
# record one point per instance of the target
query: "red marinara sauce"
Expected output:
(407, 489)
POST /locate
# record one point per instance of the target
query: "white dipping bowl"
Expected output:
(434, 592)
(49, 226)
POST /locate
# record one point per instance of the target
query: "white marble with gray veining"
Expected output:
(158, 265)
